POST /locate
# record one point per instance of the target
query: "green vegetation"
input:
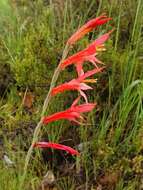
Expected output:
(32, 37)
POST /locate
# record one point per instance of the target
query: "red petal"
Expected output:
(68, 115)
(75, 102)
(56, 146)
(90, 73)
(83, 95)
(91, 49)
(84, 107)
(72, 85)
(90, 25)
(79, 68)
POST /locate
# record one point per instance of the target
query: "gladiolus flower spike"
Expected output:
(88, 54)
(56, 146)
(90, 25)
(72, 114)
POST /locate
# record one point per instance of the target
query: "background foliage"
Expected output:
(32, 36)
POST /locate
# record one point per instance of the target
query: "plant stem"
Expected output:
(45, 105)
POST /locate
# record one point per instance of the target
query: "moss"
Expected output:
(35, 65)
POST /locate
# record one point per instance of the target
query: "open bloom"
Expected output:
(56, 146)
(90, 25)
(77, 84)
(88, 54)
(72, 114)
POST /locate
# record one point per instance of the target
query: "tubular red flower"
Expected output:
(71, 114)
(72, 85)
(77, 84)
(68, 115)
(88, 54)
(90, 25)
(56, 146)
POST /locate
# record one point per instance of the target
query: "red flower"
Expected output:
(90, 25)
(71, 114)
(56, 146)
(87, 54)
(77, 84)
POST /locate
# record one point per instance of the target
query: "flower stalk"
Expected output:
(74, 113)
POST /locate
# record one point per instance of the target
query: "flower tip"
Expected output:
(77, 153)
